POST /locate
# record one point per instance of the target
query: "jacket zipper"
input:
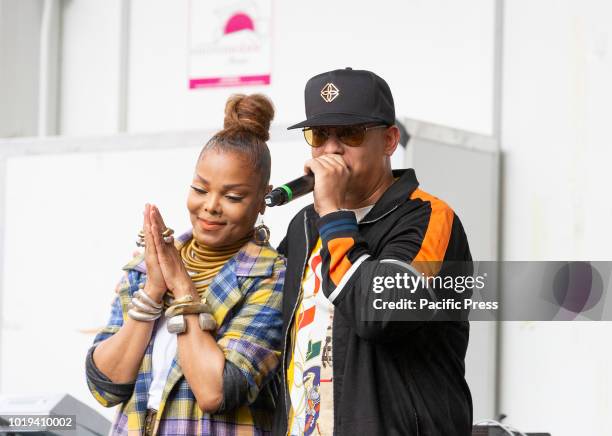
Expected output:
(285, 387)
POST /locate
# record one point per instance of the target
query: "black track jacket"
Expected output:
(390, 377)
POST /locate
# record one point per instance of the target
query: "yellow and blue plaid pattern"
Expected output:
(246, 298)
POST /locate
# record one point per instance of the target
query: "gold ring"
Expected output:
(140, 242)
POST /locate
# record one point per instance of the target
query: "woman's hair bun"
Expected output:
(252, 113)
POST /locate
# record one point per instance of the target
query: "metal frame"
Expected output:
(498, 93)
(451, 136)
(124, 65)
(48, 77)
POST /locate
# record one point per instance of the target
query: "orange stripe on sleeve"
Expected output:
(437, 236)
(339, 263)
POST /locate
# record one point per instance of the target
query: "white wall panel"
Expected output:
(556, 139)
(436, 55)
(89, 68)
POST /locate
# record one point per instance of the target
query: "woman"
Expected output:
(194, 333)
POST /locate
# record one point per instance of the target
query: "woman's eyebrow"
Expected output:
(236, 185)
(228, 186)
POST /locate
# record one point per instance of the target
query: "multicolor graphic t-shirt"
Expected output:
(310, 372)
(309, 338)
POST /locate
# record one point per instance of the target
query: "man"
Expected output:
(345, 372)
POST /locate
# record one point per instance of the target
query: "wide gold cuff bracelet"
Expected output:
(187, 308)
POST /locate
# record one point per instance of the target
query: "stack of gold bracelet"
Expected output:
(185, 306)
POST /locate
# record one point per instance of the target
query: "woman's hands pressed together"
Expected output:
(155, 286)
(167, 258)
(200, 357)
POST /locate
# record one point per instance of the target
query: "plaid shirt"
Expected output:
(246, 300)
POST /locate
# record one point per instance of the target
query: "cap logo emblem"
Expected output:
(329, 93)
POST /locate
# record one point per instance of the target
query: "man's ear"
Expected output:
(392, 137)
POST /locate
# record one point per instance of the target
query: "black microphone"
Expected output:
(290, 191)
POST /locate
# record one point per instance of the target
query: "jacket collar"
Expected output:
(399, 192)
(252, 260)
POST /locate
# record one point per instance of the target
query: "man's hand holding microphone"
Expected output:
(326, 175)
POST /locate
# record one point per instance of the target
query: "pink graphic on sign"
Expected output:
(238, 22)
(229, 81)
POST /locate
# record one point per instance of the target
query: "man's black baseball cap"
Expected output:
(345, 97)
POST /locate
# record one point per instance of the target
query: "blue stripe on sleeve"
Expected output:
(342, 222)
(325, 235)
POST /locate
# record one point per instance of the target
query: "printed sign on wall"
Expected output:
(230, 43)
